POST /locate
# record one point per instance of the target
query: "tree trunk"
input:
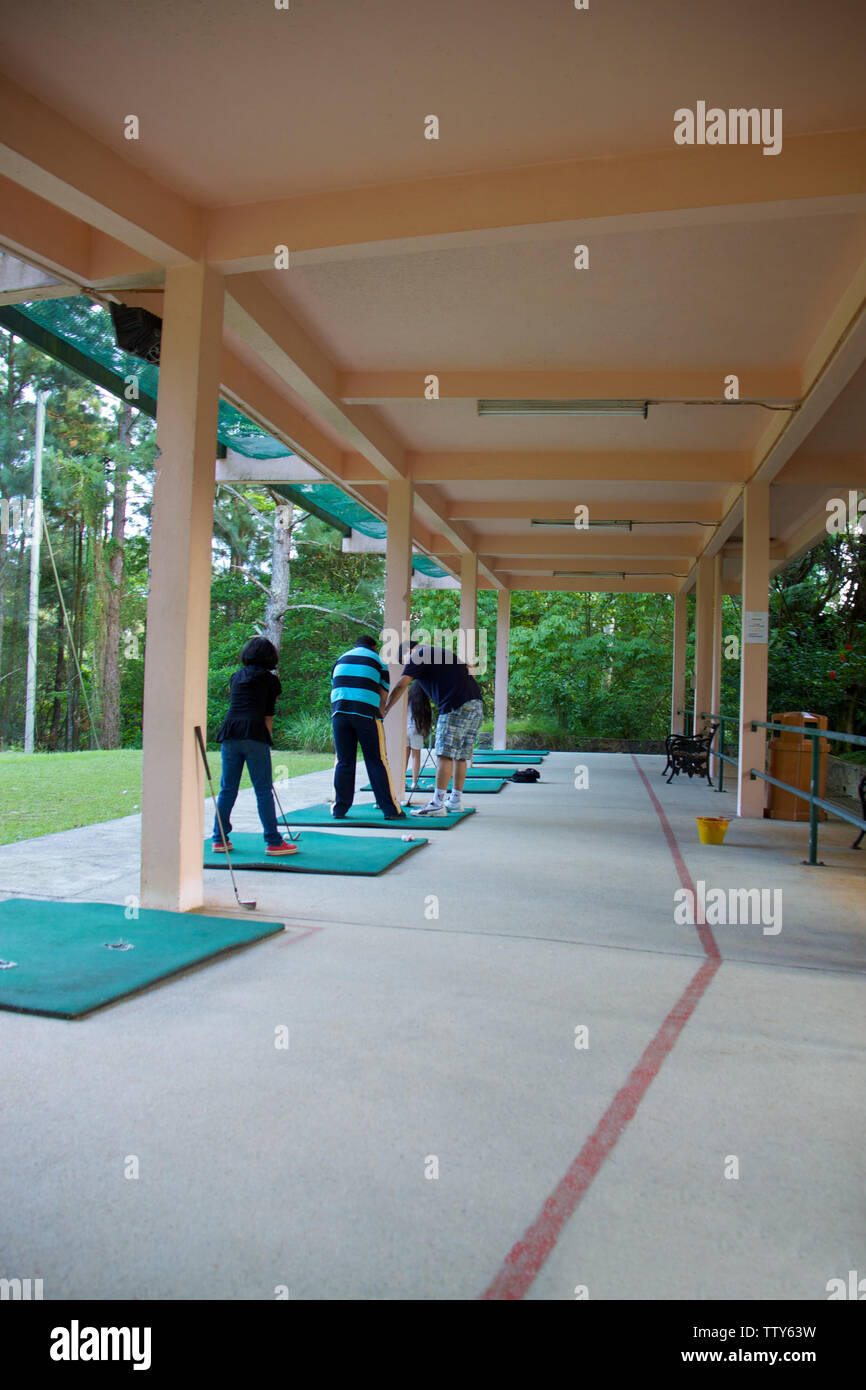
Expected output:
(278, 595)
(111, 663)
(7, 687)
(73, 717)
(59, 671)
(4, 466)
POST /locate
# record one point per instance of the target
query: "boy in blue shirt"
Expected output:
(359, 684)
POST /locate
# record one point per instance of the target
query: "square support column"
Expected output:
(753, 645)
(703, 639)
(398, 605)
(716, 696)
(468, 650)
(500, 688)
(178, 604)
(678, 683)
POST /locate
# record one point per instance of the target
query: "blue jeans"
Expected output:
(257, 756)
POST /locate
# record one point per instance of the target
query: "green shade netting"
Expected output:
(87, 328)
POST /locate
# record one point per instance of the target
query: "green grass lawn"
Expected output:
(44, 792)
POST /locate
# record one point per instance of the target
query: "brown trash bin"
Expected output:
(791, 761)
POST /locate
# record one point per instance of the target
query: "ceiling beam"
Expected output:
(563, 466)
(775, 385)
(575, 545)
(280, 341)
(545, 565)
(59, 162)
(606, 509)
(629, 585)
(427, 213)
(824, 470)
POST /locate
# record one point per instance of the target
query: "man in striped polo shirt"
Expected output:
(359, 686)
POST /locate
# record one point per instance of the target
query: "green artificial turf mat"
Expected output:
(516, 752)
(482, 759)
(64, 967)
(478, 787)
(317, 853)
(367, 817)
(485, 770)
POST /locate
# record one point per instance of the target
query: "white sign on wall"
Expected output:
(756, 627)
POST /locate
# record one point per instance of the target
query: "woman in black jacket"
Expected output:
(245, 737)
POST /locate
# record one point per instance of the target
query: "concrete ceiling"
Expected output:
(304, 127)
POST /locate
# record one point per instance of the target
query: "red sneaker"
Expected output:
(220, 848)
(282, 848)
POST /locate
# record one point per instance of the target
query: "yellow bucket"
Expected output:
(712, 829)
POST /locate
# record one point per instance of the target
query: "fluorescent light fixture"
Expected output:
(594, 525)
(563, 408)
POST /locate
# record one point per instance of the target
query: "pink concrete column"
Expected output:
(398, 603)
(500, 689)
(716, 695)
(678, 684)
(178, 605)
(753, 645)
(469, 651)
(703, 639)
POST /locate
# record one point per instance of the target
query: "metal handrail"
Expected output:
(723, 757)
(816, 803)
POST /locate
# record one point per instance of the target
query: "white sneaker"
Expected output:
(433, 808)
(454, 804)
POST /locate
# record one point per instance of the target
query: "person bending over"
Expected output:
(359, 683)
(245, 737)
(449, 684)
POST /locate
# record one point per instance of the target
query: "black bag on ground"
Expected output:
(526, 774)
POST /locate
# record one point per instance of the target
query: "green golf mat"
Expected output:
(364, 817)
(64, 966)
(317, 854)
(478, 787)
(481, 773)
(486, 770)
(483, 770)
(515, 752)
(509, 759)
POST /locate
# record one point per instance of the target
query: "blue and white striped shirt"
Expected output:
(357, 681)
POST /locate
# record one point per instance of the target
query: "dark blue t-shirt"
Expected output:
(444, 680)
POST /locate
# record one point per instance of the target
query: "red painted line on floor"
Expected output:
(287, 940)
(525, 1260)
(708, 941)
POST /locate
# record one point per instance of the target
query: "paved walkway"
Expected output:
(419, 1041)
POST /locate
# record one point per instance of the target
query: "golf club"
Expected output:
(427, 755)
(292, 834)
(250, 906)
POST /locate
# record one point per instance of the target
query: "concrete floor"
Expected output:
(415, 1038)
